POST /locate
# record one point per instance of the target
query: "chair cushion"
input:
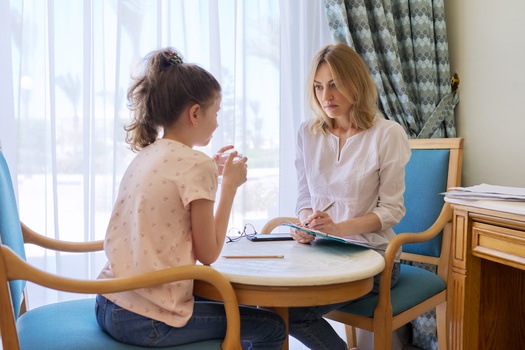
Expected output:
(73, 325)
(414, 286)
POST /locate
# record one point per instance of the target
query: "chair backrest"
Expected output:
(10, 230)
(435, 166)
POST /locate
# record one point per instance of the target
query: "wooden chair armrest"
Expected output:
(417, 237)
(34, 237)
(403, 238)
(273, 223)
(17, 268)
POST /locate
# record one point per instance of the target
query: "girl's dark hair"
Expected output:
(161, 92)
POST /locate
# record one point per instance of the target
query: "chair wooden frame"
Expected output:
(273, 223)
(384, 322)
(12, 267)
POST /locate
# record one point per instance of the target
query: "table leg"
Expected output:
(283, 312)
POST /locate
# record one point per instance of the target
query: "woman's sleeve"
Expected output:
(303, 193)
(394, 153)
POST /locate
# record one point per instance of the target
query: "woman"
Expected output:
(351, 155)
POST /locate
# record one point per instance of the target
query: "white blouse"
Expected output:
(369, 175)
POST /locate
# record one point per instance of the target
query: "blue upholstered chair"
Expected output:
(72, 324)
(424, 235)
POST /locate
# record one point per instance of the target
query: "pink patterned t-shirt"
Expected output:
(150, 227)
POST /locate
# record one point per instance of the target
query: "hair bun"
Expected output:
(174, 58)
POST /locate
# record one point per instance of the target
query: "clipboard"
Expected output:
(334, 238)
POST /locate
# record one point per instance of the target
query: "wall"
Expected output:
(487, 50)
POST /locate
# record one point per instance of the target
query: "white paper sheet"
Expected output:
(487, 192)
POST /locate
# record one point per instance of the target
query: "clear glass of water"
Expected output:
(222, 160)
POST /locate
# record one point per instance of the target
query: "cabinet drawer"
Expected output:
(499, 244)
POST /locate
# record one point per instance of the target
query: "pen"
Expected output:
(328, 206)
(324, 209)
(253, 256)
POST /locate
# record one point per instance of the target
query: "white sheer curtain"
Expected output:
(65, 69)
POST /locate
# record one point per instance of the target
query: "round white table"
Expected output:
(323, 272)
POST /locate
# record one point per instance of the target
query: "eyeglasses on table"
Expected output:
(235, 234)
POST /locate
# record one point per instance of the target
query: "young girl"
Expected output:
(164, 213)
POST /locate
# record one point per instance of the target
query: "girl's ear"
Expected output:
(192, 114)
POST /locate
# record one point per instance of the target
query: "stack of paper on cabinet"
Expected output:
(487, 192)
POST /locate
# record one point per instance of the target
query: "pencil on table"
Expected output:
(253, 256)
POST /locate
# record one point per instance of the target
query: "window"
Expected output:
(70, 64)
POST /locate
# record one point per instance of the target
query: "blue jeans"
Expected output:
(309, 327)
(260, 328)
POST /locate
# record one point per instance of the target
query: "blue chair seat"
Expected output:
(414, 286)
(72, 325)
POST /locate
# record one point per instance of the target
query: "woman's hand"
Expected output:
(301, 237)
(321, 221)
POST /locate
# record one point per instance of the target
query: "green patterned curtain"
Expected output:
(405, 46)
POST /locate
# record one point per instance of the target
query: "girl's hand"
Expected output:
(219, 157)
(223, 149)
(235, 171)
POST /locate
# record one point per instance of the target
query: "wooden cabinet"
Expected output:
(487, 305)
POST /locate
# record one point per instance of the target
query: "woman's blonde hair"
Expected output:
(161, 92)
(351, 76)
